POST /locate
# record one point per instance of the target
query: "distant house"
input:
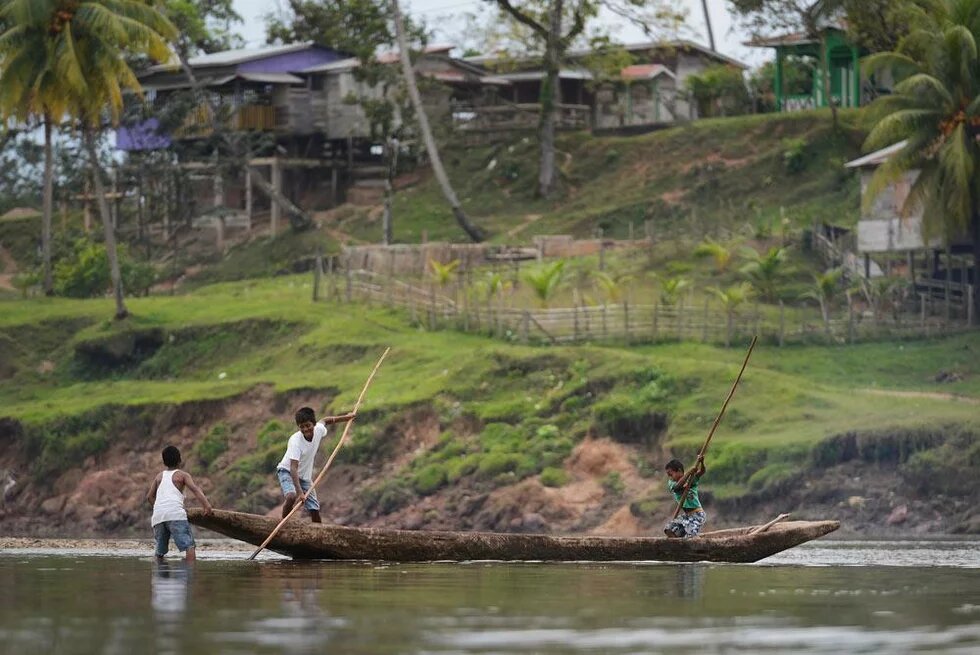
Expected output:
(849, 87)
(884, 228)
(648, 92)
(260, 88)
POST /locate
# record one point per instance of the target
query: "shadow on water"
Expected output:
(71, 604)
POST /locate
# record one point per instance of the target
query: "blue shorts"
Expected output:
(179, 530)
(286, 482)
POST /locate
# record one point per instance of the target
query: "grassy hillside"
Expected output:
(82, 387)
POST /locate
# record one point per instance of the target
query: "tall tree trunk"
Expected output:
(550, 99)
(391, 169)
(976, 260)
(475, 233)
(707, 22)
(110, 235)
(47, 207)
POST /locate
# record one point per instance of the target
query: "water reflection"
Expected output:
(170, 589)
(70, 604)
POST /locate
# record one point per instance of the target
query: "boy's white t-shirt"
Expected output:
(300, 449)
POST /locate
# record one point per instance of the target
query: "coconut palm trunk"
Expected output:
(550, 100)
(110, 235)
(47, 206)
(475, 233)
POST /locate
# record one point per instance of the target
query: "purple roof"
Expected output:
(142, 136)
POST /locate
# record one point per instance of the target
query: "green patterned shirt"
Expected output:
(692, 501)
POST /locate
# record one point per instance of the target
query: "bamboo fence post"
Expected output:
(432, 306)
(704, 323)
(850, 322)
(605, 327)
(728, 328)
(332, 286)
(782, 323)
(656, 311)
(347, 272)
(389, 283)
(969, 305)
(626, 317)
(317, 274)
(575, 323)
(301, 501)
(525, 326)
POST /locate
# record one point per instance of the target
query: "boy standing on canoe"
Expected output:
(692, 517)
(169, 518)
(295, 471)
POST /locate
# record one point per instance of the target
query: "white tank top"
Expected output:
(169, 503)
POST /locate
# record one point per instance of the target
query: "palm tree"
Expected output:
(474, 232)
(545, 282)
(442, 274)
(823, 291)
(731, 299)
(765, 270)
(719, 253)
(935, 109)
(30, 89)
(670, 290)
(89, 45)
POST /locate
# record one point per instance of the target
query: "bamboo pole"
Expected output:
(714, 425)
(302, 499)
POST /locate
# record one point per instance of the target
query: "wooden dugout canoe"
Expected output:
(303, 540)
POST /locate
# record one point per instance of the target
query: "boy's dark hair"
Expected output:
(674, 465)
(171, 456)
(305, 415)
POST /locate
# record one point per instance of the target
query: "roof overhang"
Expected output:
(877, 157)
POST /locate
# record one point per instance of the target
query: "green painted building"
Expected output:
(848, 88)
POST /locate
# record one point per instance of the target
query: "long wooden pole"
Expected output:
(301, 501)
(714, 425)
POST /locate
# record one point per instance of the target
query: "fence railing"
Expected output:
(453, 307)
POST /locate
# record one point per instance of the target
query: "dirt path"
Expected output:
(930, 395)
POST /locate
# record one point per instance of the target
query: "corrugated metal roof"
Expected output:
(271, 78)
(333, 66)
(567, 74)
(234, 57)
(183, 83)
(877, 157)
(678, 44)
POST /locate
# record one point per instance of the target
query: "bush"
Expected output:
(461, 467)
(212, 446)
(735, 462)
(388, 496)
(794, 155)
(85, 272)
(613, 483)
(494, 463)
(554, 477)
(775, 479)
(628, 418)
(429, 479)
(273, 433)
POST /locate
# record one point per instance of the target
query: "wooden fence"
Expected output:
(450, 307)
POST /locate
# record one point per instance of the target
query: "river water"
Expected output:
(823, 597)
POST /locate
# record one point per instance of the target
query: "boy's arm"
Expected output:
(196, 490)
(699, 467)
(331, 420)
(151, 495)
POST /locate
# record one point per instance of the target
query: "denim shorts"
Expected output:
(286, 482)
(179, 530)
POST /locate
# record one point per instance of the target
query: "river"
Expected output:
(823, 597)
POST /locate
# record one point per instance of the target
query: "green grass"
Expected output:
(712, 172)
(789, 396)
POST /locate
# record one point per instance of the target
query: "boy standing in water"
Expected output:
(692, 517)
(295, 471)
(169, 517)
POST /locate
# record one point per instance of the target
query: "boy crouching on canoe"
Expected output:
(295, 471)
(169, 517)
(692, 517)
